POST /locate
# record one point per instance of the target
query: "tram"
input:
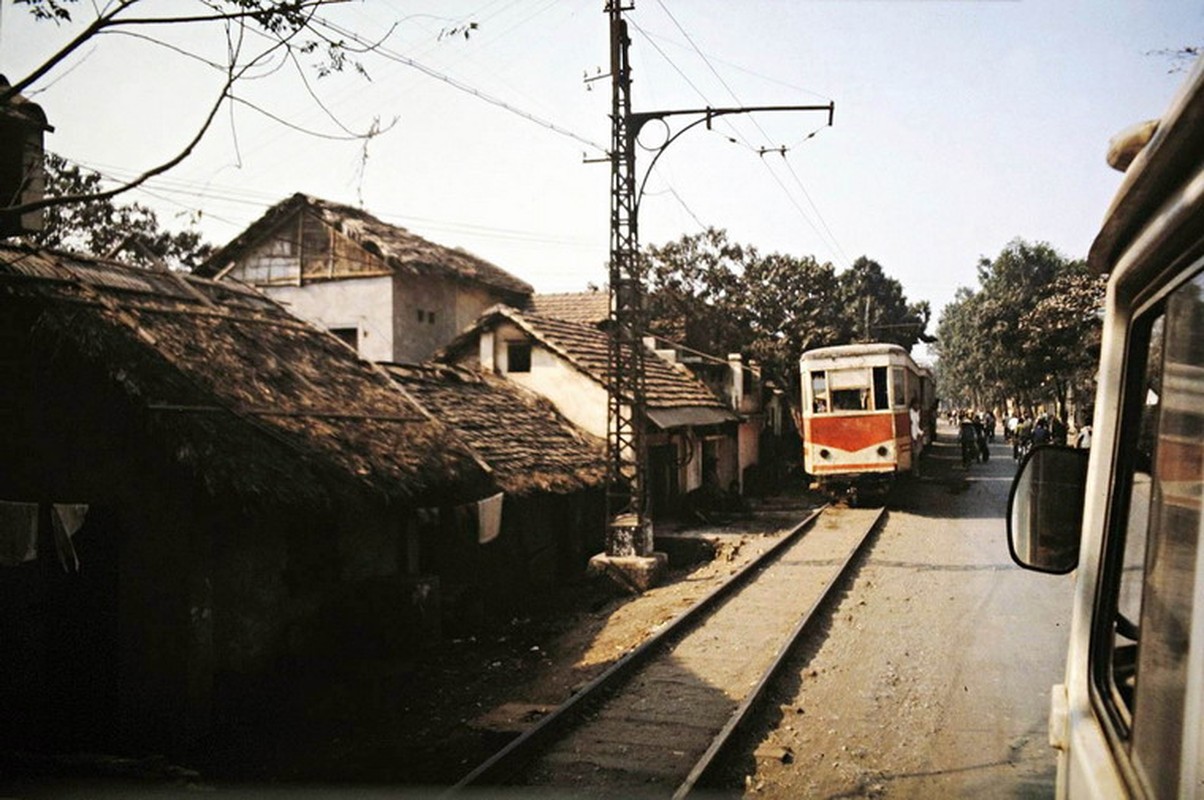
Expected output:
(864, 412)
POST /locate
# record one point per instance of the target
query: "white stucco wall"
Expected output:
(750, 445)
(363, 303)
(577, 397)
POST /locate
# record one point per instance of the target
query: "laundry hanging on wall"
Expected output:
(489, 518)
(19, 532)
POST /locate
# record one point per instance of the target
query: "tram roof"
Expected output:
(854, 351)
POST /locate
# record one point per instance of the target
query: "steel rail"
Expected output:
(520, 750)
(742, 713)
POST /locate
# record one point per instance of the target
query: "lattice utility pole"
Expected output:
(629, 532)
(630, 528)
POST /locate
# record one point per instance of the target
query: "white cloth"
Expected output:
(489, 518)
(67, 519)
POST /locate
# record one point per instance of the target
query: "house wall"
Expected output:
(430, 311)
(362, 303)
(575, 396)
(545, 541)
(749, 449)
(190, 608)
(327, 278)
(122, 650)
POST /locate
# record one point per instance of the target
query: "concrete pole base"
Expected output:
(637, 574)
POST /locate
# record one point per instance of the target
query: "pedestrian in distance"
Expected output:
(1041, 434)
(980, 431)
(1057, 430)
(1082, 439)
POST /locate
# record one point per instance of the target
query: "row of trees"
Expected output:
(717, 296)
(1028, 335)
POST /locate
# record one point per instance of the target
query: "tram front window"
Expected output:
(849, 389)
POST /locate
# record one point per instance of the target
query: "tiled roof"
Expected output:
(400, 248)
(251, 399)
(521, 436)
(586, 348)
(589, 308)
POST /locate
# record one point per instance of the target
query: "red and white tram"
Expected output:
(864, 408)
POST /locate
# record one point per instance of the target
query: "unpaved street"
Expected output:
(933, 679)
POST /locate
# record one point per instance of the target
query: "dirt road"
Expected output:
(933, 680)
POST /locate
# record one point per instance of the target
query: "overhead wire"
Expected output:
(461, 86)
(826, 234)
(231, 195)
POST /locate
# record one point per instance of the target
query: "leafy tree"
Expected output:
(262, 36)
(1028, 333)
(962, 360)
(876, 308)
(693, 291)
(1062, 332)
(792, 307)
(98, 226)
(718, 297)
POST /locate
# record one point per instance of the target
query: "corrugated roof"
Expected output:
(237, 385)
(400, 248)
(521, 436)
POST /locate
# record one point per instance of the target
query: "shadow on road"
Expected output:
(948, 490)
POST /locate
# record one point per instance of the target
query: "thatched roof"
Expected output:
(587, 308)
(251, 399)
(527, 443)
(403, 251)
(586, 348)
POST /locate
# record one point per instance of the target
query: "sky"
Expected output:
(959, 125)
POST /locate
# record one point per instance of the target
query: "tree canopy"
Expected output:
(99, 226)
(1029, 332)
(719, 297)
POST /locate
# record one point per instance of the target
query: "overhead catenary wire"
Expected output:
(825, 235)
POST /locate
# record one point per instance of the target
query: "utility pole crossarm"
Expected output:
(639, 118)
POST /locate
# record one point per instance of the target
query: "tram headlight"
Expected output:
(882, 451)
(825, 453)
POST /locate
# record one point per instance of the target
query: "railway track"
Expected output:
(655, 722)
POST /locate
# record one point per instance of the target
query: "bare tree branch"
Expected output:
(234, 73)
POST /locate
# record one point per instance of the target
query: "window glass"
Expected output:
(1151, 581)
(819, 392)
(898, 387)
(849, 389)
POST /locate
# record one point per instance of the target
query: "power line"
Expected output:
(459, 85)
(828, 239)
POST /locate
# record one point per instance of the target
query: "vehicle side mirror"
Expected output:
(1045, 509)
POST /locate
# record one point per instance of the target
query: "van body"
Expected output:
(1129, 718)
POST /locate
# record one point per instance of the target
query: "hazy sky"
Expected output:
(959, 125)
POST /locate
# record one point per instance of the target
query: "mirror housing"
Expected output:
(1045, 509)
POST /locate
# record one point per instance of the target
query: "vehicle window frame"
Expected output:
(1116, 717)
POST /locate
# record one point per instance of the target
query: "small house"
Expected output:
(390, 294)
(202, 499)
(550, 475)
(692, 435)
